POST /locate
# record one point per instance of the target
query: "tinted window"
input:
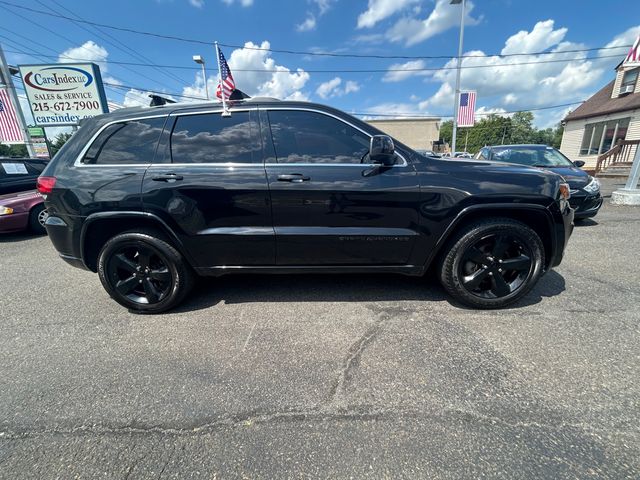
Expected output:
(212, 138)
(127, 142)
(309, 137)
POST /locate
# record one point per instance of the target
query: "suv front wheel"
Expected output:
(492, 263)
(143, 272)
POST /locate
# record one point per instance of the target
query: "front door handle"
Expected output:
(293, 178)
(167, 177)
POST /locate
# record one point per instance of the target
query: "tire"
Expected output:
(37, 217)
(143, 272)
(492, 263)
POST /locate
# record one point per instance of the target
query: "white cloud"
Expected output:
(323, 5)
(244, 3)
(443, 17)
(401, 71)
(88, 51)
(334, 88)
(265, 77)
(197, 3)
(378, 10)
(307, 25)
(510, 84)
(326, 89)
(311, 22)
(541, 37)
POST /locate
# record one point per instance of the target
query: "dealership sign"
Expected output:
(64, 93)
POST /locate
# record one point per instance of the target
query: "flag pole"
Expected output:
(5, 75)
(225, 112)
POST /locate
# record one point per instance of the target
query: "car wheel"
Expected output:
(492, 263)
(37, 216)
(144, 273)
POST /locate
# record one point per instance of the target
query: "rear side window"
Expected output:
(126, 143)
(310, 137)
(212, 138)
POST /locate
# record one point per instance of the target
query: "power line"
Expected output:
(432, 69)
(293, 52)
(72, 42)
(114, 42)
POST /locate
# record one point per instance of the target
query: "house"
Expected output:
(612, 114)
(417, 133)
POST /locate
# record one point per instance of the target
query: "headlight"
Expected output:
(5, 210)
(593, 186)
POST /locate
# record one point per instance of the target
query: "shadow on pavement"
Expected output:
(339, 288)
(18, 236)
(585, 222)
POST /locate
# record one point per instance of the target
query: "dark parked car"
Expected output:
(585, 189)
(20, 174)
(148, 197)
(22, 211)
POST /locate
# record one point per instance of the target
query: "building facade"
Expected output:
(612, 114)
(417, 133)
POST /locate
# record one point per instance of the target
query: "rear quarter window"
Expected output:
(123, 143)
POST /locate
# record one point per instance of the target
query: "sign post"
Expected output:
(39, 142)
(5, 78)
(64, 93)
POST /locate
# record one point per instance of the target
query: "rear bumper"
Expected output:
(14, 222)
(62, 233)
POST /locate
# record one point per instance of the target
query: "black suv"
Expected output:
(148, 197)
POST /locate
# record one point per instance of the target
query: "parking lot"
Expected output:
(324, 376)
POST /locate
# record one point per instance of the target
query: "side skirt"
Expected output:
(412, 270)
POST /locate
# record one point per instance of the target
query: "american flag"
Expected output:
(467, 110)
(227, 82)
(633, 57)
(9, 127)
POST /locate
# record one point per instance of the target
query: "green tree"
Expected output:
(13, 150)
(58, 142)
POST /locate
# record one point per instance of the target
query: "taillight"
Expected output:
(46, 184)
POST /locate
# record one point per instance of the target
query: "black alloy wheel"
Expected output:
(143, 272)
(492, 263)
(140, 273)
(495, 266)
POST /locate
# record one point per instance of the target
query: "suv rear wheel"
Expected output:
(143, 272)
(492, 263)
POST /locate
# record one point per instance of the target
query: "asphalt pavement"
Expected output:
(314, 376)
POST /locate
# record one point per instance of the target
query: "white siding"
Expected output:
(574, 131)
(616, 85)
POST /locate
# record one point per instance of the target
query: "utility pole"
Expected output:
(456, 101)
(5, 76)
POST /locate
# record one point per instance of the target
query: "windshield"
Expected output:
(531, 156)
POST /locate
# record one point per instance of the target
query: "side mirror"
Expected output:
(579, 163)
(381, 149)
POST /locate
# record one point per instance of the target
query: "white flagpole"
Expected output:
(225, 112)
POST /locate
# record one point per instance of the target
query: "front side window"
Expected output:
(311, 137)
(212, 138)
(132, 142)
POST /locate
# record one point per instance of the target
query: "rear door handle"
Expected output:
(167, 177)
(293, 178)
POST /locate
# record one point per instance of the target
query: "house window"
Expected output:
(602, 136)
(629, 79)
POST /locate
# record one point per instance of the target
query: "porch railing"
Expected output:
(620, 153)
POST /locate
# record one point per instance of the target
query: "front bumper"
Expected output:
(586, 205)
(14, 222)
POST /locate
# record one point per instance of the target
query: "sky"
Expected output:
(252, 32)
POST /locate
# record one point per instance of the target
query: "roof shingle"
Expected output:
(601, 103)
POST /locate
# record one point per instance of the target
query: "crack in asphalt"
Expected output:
(354, 413)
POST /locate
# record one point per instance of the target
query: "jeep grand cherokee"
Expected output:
(149, 198)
